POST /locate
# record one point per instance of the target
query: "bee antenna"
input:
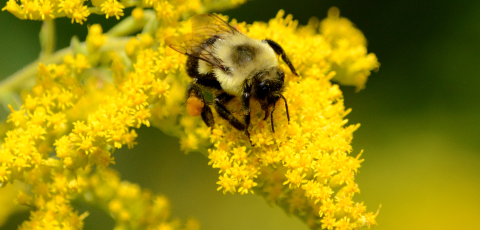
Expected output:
(286, 107)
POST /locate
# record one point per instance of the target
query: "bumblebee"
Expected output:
(228, 64)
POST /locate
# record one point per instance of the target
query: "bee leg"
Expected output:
(266, 114)
(220, 102)
(286, 107)
(246, 107)
(279, 51)
(273, 109)
(271, 117)
(193, 90)
(207, 117)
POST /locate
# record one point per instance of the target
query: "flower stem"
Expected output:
(47, 38)
(130, 25)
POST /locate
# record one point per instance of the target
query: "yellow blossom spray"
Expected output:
(88, 99)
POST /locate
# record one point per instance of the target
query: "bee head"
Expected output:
(267, 86)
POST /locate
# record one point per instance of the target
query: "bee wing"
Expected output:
(210, 25)
(196, 44)
(187, 44)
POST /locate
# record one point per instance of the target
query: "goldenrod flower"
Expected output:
(88, 101)
(112, 8)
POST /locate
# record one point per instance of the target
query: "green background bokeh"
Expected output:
(419, 114)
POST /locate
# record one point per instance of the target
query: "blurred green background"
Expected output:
(419, 114)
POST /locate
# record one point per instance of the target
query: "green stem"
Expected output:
(130, 25)
(47, 38)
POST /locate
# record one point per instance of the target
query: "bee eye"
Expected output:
(281, 74)
(264, 85)
(263, 89)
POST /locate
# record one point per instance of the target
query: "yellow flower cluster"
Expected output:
(79, 10)
(62, 139)
(47, 10)
(81, 124)
(349, 50)
(304, 164)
